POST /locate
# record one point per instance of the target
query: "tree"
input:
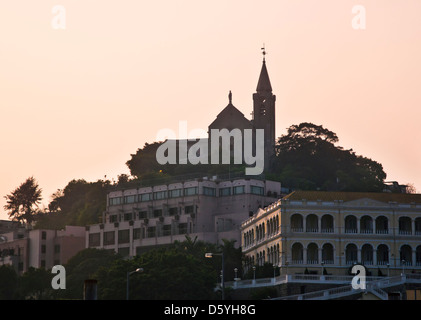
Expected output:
(79, 203)
(83, 266)
(307, 158)
(36, 284)
(23, 202)
(8, 280)
(169, 274)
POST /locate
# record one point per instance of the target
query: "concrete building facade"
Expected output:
(40, 248)
(210, 209)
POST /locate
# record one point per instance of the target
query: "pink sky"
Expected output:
(75, 103)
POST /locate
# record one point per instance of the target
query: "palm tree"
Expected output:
(23, 202)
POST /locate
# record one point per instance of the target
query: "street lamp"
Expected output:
(235, 271)
(254, 273)
(129, 273)
(388, 266)
(210, 255)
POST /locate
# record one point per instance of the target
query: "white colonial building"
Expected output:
(331, 231)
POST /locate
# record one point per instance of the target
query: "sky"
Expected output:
(76, 102)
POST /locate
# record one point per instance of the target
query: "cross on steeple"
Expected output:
(263, 52)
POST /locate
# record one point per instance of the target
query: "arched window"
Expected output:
(367, 254)
(418, 226)
(312, 223)
(366, 223)
(382, 255)
(297, 253)
(351, 254)
(405, 227)
(350, 224)
(418, 256)
(327, 223)
(327, 254)
(406, 255)
(312, 253)
(297, 223)
(382, 225)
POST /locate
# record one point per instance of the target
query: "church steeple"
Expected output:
(264, 83)
(264, 112)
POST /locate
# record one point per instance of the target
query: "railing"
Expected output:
(327, 230)
(373, 285)
(366, 231)
(405, 232)
(382, 231)
(296, 229)
(351, 231)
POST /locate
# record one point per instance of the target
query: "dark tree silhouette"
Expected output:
(22, 203)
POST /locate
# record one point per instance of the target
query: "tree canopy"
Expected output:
(22, 203)
(307, 158)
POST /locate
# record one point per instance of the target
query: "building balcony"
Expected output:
(327, 230)
(366, 231)
(351, 231)
(382, 231)
(405, 232)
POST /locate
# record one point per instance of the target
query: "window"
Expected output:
(190, 191)
(175, 193)
(116, 201)
(173, 211)
(188, 209)
(182, 228)
(166, 230)
(257, 190)
(207, 191)
(43, 235)
(238, 190)
(160, 195)
(113, 218)
(130, 199)
(56, 248)
(124, 252)
(225, 192)
(143, 214)
(109, 237)
(145, 197)
(94, 240)
(123, 236)
(127, 216)
(137, 233)
(151, 232)
(43, 248)
(157, 213)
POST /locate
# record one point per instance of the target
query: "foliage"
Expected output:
(83, 266)
(306, 158)
(35, 284)
(79, 203)
(8, 281)
(23, 202)
(143, 166)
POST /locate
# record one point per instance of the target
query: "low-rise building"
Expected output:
(330, 231)
(210, 209)
(40, 248)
